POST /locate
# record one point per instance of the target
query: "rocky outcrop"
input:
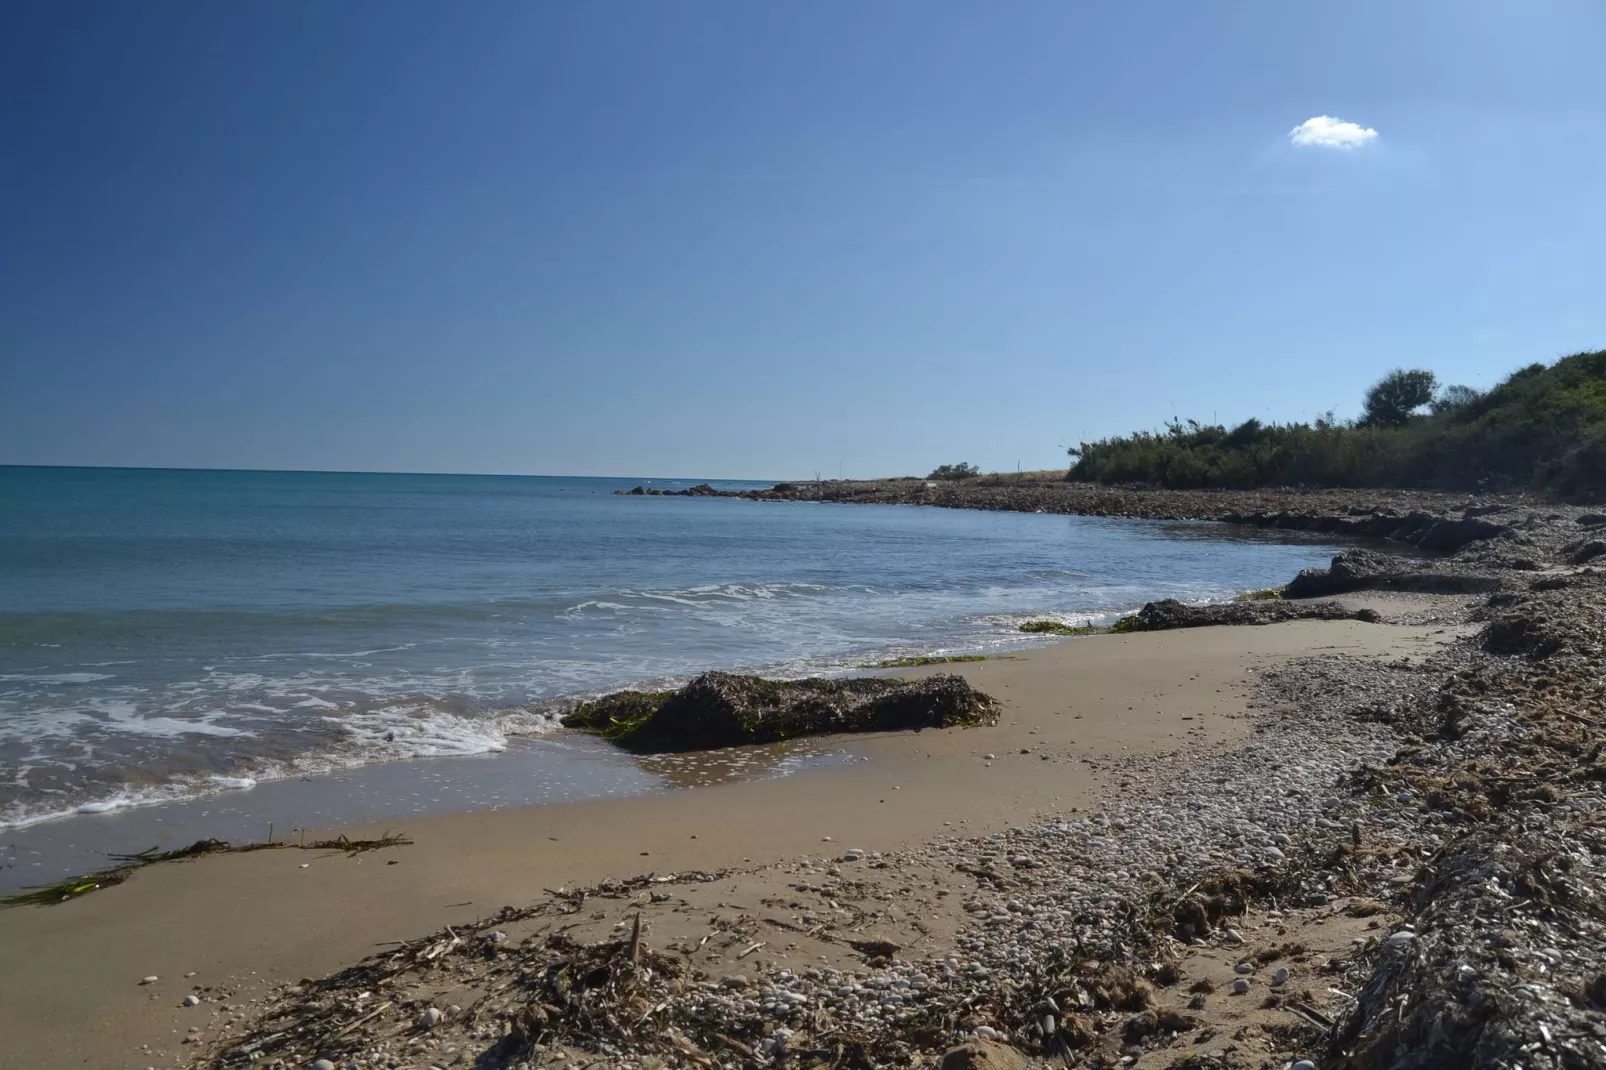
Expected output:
(1160, 616)
(701, 490)
(719, 709)
(1371, 570)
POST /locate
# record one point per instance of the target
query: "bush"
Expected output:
(1543, 428)
(954, 471)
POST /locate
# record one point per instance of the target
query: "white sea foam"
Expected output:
(123, 717)
(58, 677)
(421, 731)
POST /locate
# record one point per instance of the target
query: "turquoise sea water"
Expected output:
(172, 633)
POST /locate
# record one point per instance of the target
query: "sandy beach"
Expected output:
(233, 928)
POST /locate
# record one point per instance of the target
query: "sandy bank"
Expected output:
(69, 983)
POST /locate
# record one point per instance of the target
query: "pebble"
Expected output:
(192, 1001)
(1240, 985)
(323, 1064)
(986, 1032)
(1400, 939)
(852, 854)
(1280, 978)
(1234, 936)
(431, 1017)
(1243, 968)
(1303, 1064)
(988, 757)
(152, 979)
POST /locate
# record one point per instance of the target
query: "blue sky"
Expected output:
(721, 238)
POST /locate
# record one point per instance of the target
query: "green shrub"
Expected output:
(1543, 428)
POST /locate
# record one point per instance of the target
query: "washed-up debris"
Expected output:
(124, 866)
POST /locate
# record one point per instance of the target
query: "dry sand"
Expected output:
(70, 991)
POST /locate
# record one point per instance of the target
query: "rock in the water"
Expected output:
(983, 1055)
(719, 709)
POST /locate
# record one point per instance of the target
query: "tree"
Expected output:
(954, 471)
(1396, 396)
(1454, 397)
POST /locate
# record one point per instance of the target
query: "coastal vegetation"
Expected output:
(719, 709)
(954, 471)
(1542, 429)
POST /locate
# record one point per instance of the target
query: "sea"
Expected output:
(195, 637)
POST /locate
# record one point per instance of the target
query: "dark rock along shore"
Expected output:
(1474, 815)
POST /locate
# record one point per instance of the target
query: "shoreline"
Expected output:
(1359, 718)
(240, 921)
(235, 788)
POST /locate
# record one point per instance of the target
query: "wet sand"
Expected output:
(70, 992)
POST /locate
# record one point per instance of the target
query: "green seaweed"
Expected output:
(125, 865)
(1048, 627)
(928, 659)
(1055, 627)
(1267, 594)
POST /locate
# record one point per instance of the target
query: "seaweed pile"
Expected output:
(719, 709)
(1507, 962)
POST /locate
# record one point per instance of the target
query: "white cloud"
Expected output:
(1326, 132)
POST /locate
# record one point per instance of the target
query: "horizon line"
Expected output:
(373, 472)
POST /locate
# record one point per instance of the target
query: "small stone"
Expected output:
(1240, 985)
(1303, 1064)
(735, 980)
(323, 1064)
(1234, 936)
(986, 1032)
(852, 854)
(1280, 978)
(152, 979)
(1243, 968)
(192, 1001)
(1400, 939)
(431, 1017)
